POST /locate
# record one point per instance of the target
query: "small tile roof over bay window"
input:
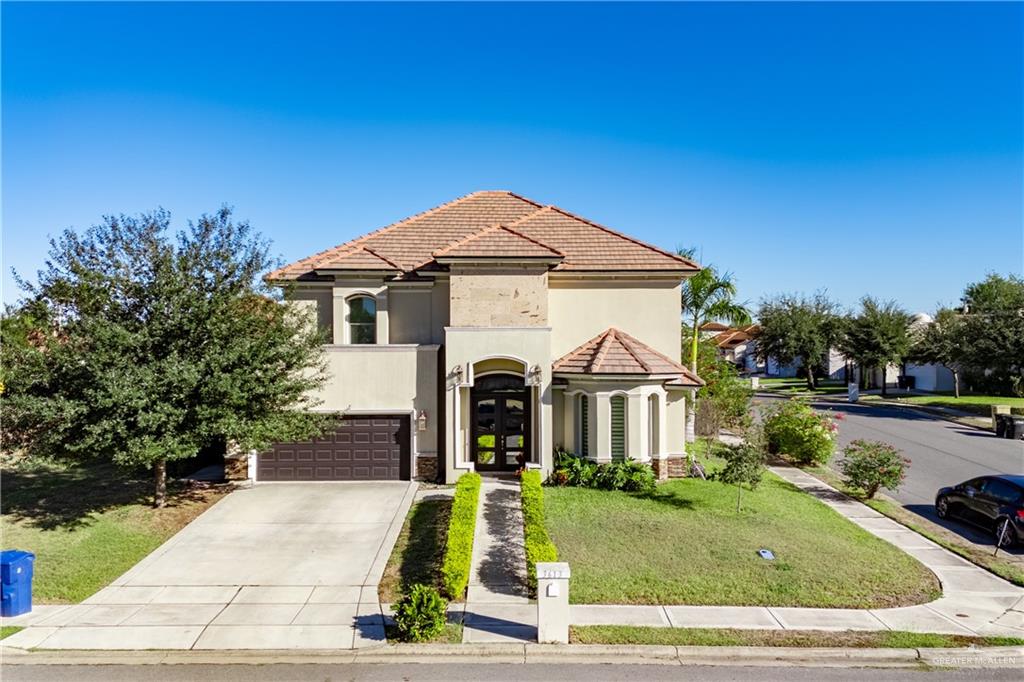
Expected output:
(614, 352)
(490, 224)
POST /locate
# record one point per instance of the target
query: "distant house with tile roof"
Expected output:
(483, 334)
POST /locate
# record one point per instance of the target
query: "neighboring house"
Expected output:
(488, 331)
(928, 377)
(738, 345)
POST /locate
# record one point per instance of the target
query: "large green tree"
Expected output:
(795, 328)
(707, 296)
(941, 342)
(149, 345)
(993, 319)
(877, 336)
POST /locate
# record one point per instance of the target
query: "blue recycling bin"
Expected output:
(15, 582)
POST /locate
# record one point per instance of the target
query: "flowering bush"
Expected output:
(794, 429)
(870, 465)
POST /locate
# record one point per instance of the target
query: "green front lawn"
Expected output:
(687, 545)
(624, 634)
(8, 630)
(419, 550)
(978, 404)
(793, 386)
(88, 524)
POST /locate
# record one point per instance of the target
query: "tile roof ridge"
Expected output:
(627, 342)
(656, 352)
(459, 242)
(576, 352)
(497, 227)
(351, 245)
(531, 239)
(602, 349)
(616, 233)
(384, 258)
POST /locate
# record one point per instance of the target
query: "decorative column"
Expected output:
(602, 427)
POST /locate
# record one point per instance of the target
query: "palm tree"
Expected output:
(707, 296)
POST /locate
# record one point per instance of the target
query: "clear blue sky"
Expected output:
(857, 148)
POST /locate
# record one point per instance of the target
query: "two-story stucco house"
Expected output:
(486, 332)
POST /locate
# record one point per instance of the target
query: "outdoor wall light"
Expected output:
(421, 421)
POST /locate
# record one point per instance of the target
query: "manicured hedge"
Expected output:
(539, 547)
(458, 552)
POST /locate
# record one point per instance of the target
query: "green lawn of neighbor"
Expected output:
(687, 545)
(625, 634)
(8, 630)
(794, 386)
(978, 404)
(88, 524)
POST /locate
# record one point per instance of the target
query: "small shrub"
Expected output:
(458, 552)
(744, 465)
(539, 547)
(794, 429)
(870, 465)
(631, 476)
(421, 614)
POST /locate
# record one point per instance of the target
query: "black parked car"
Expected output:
(992, 502)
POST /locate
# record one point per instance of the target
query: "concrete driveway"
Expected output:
(277, 566)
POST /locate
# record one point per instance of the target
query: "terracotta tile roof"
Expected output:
(713, 327)
(360, 259)
(410, 244)
(616, 352)
(733, 337)
(496, 242)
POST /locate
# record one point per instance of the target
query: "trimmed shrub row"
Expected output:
(458, 553)
(539, 547)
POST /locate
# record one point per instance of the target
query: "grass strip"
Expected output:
(884, 639)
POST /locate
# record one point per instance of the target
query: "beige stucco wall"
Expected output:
(316, 303)
(469, 346)
(390, 379)
(579, 310)
(498, 297)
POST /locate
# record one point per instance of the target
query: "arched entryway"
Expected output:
(500, 422)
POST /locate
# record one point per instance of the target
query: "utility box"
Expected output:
(852, 392)
(15, 582)
(996, 411)
(553, 603)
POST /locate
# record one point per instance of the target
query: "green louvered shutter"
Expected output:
(584, 426)
(618, 428)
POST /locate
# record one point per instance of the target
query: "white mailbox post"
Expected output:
(553, 603)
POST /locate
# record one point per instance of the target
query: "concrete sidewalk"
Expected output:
(498, 607)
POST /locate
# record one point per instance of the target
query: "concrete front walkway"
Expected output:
(277, 566)
(973, 602)
(498, 608)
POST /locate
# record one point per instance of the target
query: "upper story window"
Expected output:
(362, 320)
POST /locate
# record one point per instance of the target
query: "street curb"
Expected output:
(967, 657)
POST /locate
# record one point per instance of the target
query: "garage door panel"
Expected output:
(374, 447)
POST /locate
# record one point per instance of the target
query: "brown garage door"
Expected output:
(362, 448)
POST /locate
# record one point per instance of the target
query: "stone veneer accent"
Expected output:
(236, 468)
(426, 468)
(669, 467)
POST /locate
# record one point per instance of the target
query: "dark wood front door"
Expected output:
(500, 423)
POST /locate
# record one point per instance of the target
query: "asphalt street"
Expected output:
(472, 672)
(941, 452)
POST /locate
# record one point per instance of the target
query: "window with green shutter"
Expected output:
(584, 426)
(618, 428)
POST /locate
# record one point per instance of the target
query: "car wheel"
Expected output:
(942, 508)
(1004, 533)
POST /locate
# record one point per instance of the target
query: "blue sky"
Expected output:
(858, 148)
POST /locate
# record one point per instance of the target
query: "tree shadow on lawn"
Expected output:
(424, 552)
(50, 497)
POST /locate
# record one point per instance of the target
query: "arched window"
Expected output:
(653, 426)
(618, 404)
(362, 320)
